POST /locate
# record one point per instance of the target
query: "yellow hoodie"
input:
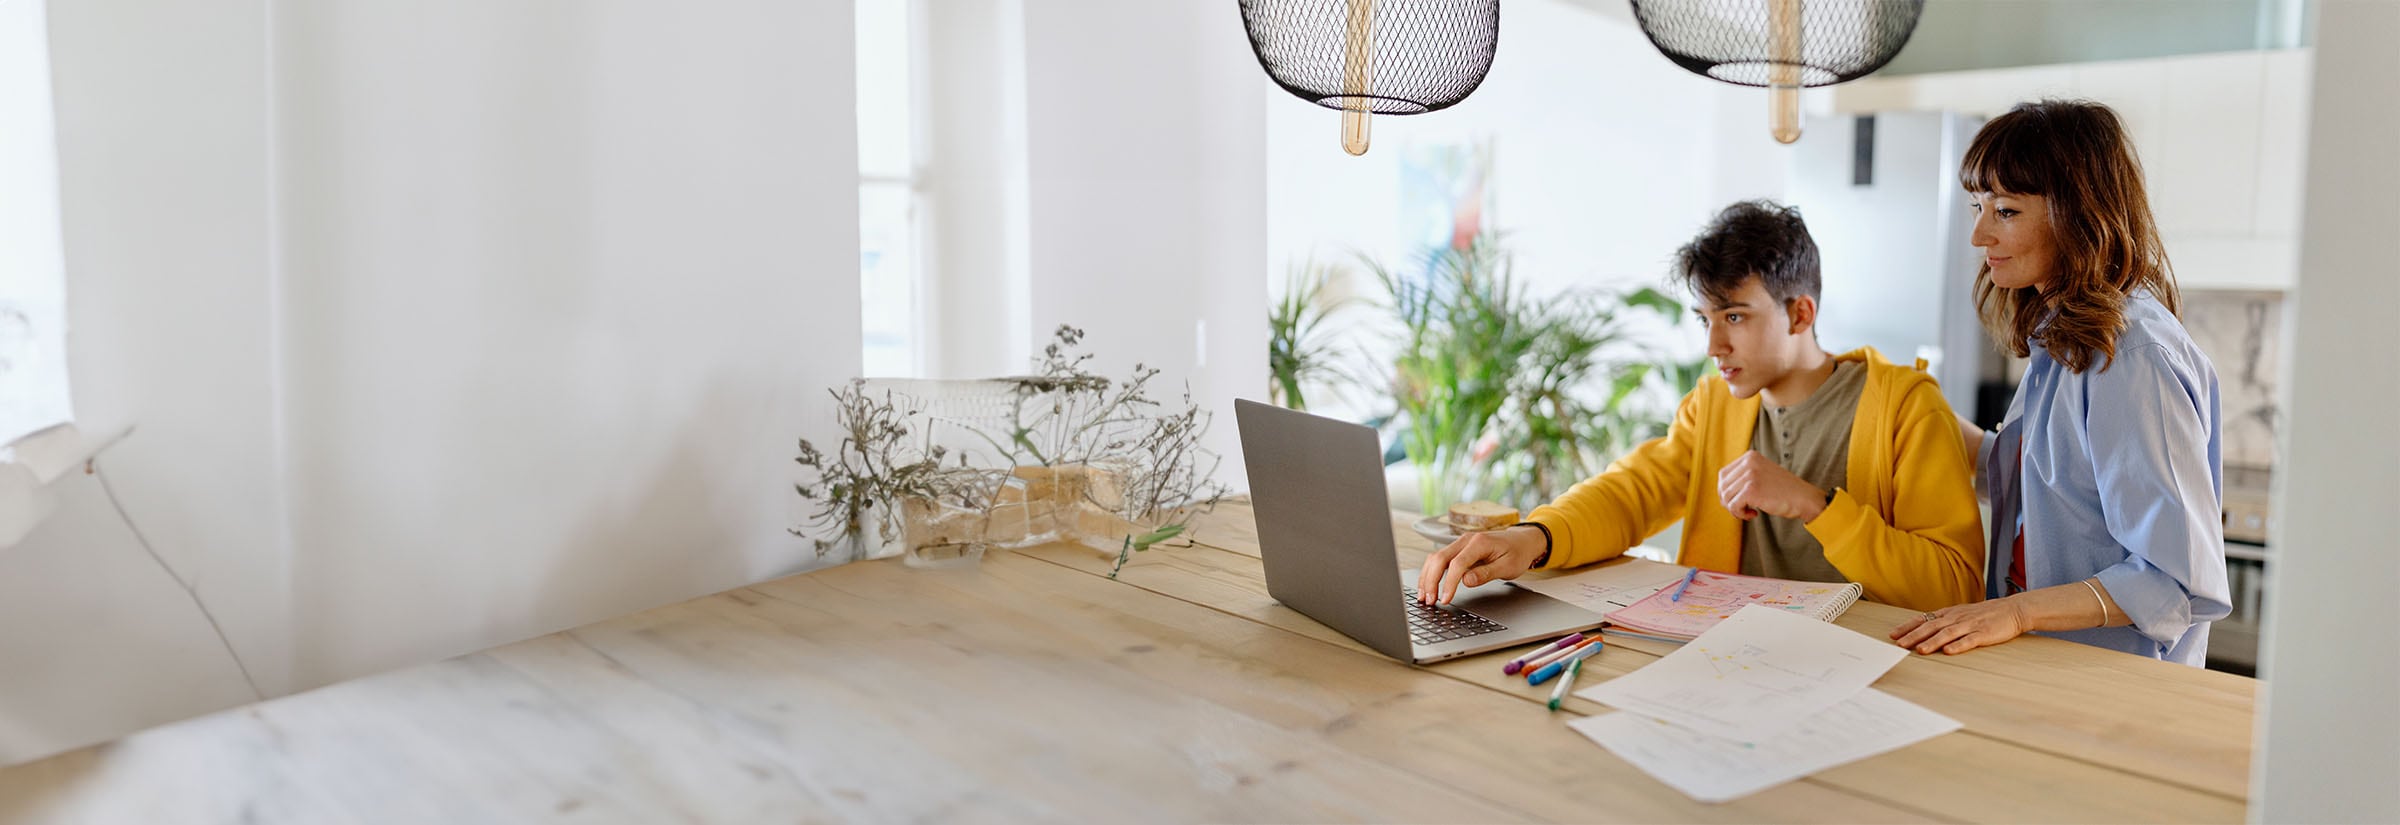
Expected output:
(1920, 550)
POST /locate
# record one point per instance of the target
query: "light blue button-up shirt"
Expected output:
(2122, 479)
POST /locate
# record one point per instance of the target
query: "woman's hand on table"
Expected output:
(1964, 627)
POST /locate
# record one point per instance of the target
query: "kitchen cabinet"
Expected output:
(2221, 138)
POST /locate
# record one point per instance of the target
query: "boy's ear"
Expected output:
(1803, 311)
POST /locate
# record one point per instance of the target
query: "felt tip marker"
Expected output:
(1518, 664)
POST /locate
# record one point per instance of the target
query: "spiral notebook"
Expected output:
(1714, 596)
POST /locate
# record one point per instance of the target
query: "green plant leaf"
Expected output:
(1629, 379)
(1652, 299)
(1144, 541)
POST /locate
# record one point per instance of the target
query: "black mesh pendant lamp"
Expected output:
(1779, 44)
(1374, 57)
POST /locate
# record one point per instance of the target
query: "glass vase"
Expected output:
(942, 534)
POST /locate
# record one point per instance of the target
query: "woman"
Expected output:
(2105, 477)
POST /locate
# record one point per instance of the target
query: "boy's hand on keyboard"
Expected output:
(1476, 558)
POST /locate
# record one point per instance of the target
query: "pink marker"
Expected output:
(1518, 663)
(1548, 659)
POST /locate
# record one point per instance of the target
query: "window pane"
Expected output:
(883, 88)
(887, 283)
(33, 280)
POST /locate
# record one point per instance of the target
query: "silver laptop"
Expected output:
(1325, 534)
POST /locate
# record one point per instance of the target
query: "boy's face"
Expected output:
(1755, 339)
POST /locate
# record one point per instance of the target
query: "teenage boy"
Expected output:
(1790, 462)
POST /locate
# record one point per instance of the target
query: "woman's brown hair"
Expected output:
(2075, 154)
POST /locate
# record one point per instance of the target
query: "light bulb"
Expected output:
(1354, 131)
(1783, 112)
(1355, 81)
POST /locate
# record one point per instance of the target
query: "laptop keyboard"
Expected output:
(1430, 625)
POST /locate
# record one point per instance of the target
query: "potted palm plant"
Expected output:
(1576, 402)
(1463, 335)
(1504, 396)
(1298, 354)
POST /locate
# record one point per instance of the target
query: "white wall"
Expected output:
(2329, 720)
(1148, 205)
(441, 325)
(163, 121)
(1745, 161)
(563, 281)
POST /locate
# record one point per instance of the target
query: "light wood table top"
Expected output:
(1031, 687)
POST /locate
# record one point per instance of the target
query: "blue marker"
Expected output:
(1677, 596)
(1554, 668)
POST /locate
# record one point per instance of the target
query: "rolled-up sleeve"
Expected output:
(2155, 463)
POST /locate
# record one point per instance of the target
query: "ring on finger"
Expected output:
(1926, 616)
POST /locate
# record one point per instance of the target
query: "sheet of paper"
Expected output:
(1608, 586)
(1752, 675)
(1710, 769)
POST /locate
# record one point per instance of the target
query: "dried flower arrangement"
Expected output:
(877, 467)
(1076, 457)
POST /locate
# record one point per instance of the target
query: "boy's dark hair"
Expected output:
(1761, 238)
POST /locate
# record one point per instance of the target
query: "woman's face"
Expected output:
(2014, 233)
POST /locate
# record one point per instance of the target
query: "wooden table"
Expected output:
(1032, 687)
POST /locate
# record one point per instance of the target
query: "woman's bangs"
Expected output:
(1996, 160)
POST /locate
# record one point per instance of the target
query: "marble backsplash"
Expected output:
(2243, 335)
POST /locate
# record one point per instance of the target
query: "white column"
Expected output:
(2329, 714)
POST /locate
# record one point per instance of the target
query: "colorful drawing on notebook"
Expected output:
(1714, 596)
